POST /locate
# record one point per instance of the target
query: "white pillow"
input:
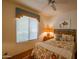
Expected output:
(42, 35)
(66, 37)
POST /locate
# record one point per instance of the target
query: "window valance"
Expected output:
(21, 12)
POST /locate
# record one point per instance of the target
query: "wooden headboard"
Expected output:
(66, 31)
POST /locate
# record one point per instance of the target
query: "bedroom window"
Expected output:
(26, 27)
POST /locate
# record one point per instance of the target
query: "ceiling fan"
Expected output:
(52, 3)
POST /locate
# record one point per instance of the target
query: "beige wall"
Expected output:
(9, 38)
(59, 18)
(71, 15)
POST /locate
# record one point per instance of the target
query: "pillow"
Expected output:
(44, 36)
(58, 37)
(70, 38)
(66, 37)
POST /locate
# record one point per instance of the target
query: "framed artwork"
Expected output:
(66, 24)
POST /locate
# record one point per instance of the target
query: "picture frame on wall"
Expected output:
(66, 24)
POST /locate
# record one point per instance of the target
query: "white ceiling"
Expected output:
(43, 7)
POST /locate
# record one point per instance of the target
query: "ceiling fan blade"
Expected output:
(53, 6)
(49, 1)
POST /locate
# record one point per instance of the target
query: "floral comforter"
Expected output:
(53, 50)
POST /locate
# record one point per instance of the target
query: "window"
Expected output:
(26, 25)
(26, 28)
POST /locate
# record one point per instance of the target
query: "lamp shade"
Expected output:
(48, 29)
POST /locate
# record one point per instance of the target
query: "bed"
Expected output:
(54, 49)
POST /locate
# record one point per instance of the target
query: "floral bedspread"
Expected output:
(53, 50)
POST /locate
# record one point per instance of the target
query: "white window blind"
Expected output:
(26, 28)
